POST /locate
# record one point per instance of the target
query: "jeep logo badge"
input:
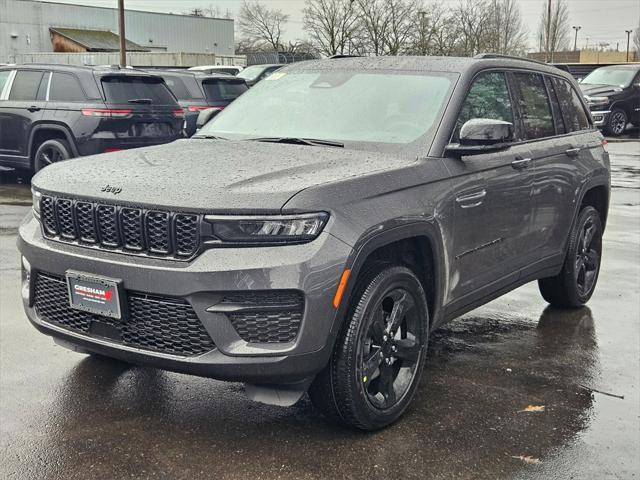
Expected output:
(109, 189)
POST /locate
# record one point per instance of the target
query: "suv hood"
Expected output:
(210, 175)
(599, 90)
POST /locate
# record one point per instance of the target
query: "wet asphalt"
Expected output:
(68, 416)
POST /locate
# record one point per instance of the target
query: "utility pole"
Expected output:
(123, 40)
(423, 33)
(575, 40)
(548, 46)
(628, 32)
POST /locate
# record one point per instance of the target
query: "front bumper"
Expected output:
(312, 269)
(600, 117)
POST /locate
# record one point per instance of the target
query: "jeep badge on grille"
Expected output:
(109, 189)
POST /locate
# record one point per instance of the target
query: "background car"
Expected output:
(255, 73)
(229, 69)
(196, 92)
(613, 95)
(50, 113)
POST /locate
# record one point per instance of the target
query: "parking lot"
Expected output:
(513, 389)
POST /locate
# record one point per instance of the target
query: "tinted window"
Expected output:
(555, 106)
(25, 85)
(182, 88)
(223, 90)
(123, 89)
(487, 98)
(4, 76)
(65, 88)
(575, 118)
(534, 106)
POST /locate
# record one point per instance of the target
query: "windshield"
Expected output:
(375, 107)
(251, 73)
(618, 77)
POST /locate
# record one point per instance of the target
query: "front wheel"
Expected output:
(379, 356)
(616, 123)
(575, 284)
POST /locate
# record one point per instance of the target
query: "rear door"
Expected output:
(492, 201)
(145, 111)
(20, 111)
(561, 141)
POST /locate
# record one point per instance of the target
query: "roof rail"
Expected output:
(344, 56)
(511, 57)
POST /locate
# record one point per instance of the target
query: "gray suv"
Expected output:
(314, 233)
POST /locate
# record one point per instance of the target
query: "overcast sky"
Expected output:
(601, 20)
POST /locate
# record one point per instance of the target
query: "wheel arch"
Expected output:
(417, 245)
(49, 131)
(596, 196)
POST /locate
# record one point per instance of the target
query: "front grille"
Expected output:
(153, 323)
(265, 317)
(118, 228)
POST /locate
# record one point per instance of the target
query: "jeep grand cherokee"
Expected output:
(314, 233)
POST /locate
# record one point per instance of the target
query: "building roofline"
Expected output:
(53, 2)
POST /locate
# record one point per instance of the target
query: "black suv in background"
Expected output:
(196, 92)
(613, 95)
(55, 112)
(255, 73)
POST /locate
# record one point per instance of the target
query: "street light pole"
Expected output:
(628, 32)
(547, 46)
(575, 40)
(123, 39)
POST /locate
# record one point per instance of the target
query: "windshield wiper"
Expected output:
(209, 137)
(298, 141)
(145, 101)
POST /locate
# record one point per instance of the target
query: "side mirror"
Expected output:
(480, 135)
(205, 116)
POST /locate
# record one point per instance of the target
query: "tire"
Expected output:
(616, 123)
(51, 151)
(379, 355)
(576, 282)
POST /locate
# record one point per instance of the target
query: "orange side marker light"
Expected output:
(341, 286)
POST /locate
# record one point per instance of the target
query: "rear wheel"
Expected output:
(379, 357)
(49, 152)
(575, 284)
(616, 123)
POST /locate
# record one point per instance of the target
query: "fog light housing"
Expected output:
(35, 200)
(26, 278)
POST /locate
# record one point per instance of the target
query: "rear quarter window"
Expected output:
(65, 88)
(573, 112)
(183, 89)
(4, 78)
(223, 90)
(127, 89)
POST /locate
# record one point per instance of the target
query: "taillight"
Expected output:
(178, 113)
(106, 112)
(109, 150)
(196, 108)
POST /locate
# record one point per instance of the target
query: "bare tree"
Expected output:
(210, 11)
(636, 40)
(554, 28)
(471, 18)
(259, 24)
(374, 25)
(506, 34)
(332, 25)
(401, 24)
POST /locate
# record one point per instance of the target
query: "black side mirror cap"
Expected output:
(205, 116)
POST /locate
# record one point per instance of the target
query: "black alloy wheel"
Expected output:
(390, 351)
(50, 152)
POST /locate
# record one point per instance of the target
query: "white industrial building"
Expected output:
(28, 27)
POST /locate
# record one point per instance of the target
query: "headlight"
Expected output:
(35, 199)
(597, 100)
(267, 229)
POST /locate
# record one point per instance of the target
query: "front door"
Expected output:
(491, 201)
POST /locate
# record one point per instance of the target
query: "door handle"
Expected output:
(572, 152)
(471, 200)
(521, 163)
(34, 108)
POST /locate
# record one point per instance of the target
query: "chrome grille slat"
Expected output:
(121, 228)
